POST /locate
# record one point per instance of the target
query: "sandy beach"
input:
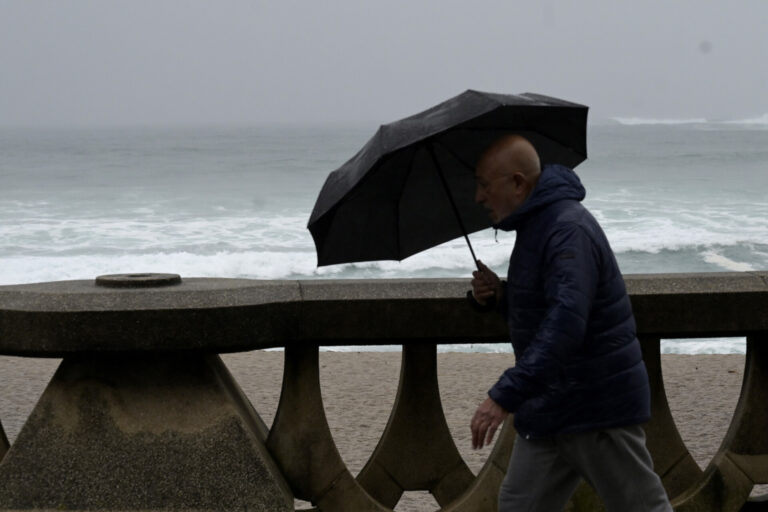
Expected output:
(359, 390)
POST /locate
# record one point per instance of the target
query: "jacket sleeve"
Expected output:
(570, 276)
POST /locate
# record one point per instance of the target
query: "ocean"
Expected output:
(686, 195)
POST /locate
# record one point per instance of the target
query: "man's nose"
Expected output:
(479, 196)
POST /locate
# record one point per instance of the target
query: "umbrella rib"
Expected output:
(454, 155)
(400, 196)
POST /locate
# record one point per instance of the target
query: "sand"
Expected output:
(359, 390)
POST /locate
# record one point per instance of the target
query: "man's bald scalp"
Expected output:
(518, 155)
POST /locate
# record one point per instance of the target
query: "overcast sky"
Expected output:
(248, 62)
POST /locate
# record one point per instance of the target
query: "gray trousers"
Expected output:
(544, 473)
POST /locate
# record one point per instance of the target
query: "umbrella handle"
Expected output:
(453, 203)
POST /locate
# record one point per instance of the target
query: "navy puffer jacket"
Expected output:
(578, 361)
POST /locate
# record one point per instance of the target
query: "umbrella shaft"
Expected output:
(453, 203)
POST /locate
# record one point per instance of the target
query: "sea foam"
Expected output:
(650, 121)
(761, 120)
(636, 121)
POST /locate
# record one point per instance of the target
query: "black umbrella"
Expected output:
(411, 187)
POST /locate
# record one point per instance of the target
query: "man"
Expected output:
(579, 389)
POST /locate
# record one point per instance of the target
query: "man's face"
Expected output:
(496, 189)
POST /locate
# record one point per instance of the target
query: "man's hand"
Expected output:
(486, 420)
(485, 284)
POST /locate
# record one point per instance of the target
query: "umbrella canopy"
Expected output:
(411, 187)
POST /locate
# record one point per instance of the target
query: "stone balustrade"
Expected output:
(143, 415)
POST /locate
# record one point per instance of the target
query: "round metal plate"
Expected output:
(137, 280)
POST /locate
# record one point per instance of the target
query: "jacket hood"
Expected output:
(556, 183)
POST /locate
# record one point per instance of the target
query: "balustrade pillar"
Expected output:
(142, 432)
(302, 445)
(672, 460)
(416, 450)
(742, 459)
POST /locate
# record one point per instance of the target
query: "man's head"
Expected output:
(506, 174)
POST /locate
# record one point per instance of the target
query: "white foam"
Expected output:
(675, 346)
(762, 120)
(251, 265)
(678, 346)
(281, 247)
(255, 264)
(637, 226)
(49, 233)
(452, 257)
(636, 121)
(484, 348)
(705, 346)
(718, 259)
(651, 121)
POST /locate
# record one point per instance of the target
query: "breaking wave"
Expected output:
(759, 121)
(636, 121)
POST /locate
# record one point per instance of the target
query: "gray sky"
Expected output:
(185, 61)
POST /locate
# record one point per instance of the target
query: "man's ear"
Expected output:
(520, 182)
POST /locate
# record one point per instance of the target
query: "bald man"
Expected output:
(579, 389)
